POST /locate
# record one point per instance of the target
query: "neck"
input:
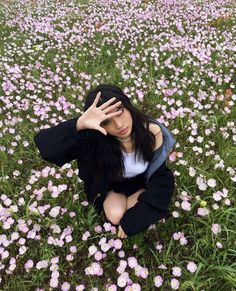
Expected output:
(125, 139)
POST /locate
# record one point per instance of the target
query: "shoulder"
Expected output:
(156, 130)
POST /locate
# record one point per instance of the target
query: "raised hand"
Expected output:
(94, 115)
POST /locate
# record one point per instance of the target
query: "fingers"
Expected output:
(113, 114)
(106, 104)
(95, 102)
(110, 108)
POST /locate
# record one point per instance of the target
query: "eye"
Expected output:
(105, 122)
(120, 108)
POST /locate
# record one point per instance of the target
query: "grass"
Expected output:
(90, 57)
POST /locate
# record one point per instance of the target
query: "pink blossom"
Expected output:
(177, 235)
(98, 256)
(121, 254)
(98, 229)
(122, 280)
(192, 267)
(174, 284)
(65, 286)
(80, 287)
(92, 250)
(133, 287)
(86, 235)
(211, 183)
(202, 211)
(73, 249)
(183, 241)
(215, 228)
(219, 245)
(107, 226)
(217, 196)
(117, 244)
(158, 281)
(144, 273)
(132, 262)
(54, 212)
(105, 247)
(186, 205)
(176, 271)
(28, 265)
(69, 257)
(112, 287)
(42, 264)
(53, 283)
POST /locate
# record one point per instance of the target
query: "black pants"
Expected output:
(129, 186)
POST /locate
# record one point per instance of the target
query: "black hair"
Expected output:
(105, 155)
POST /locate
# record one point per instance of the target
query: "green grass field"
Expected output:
(176, 60)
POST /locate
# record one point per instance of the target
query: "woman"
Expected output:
(121, 155)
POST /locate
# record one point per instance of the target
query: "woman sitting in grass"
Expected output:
(121, 155)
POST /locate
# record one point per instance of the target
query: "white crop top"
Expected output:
(133, 167)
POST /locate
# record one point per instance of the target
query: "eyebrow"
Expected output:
(121, 106)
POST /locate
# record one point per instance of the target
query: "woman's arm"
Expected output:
(62, 143)
(153, 203)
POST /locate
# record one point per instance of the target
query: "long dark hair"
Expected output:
(104, 154)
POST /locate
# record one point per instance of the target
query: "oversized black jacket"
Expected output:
(62, 143)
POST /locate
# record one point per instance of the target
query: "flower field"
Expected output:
(176, 61)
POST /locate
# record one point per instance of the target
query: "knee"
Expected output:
(115, 215)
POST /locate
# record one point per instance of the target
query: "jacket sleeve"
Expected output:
(152, 204)
(60, 144)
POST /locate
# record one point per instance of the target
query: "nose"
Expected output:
(118, 122)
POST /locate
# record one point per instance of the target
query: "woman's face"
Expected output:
(115, 125)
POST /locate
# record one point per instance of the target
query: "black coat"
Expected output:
(62, 143)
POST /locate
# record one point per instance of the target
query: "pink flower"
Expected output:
(202, 211)
(192, 267)
(92, 250)
(105, 247)
(107, 226)
(177, 235)
(144, 273)
(28, 265)
(186, 205)
(121, 254)
(80, 287)
(86, 235)
(65, 286)
(122, 280)
(98, 228)
(117, 244)
(183, 241)
(176, 271)
(174, 284)
(158, 281)
(98, 256)
(73, 249)
(132, 262)
(113, 287)
(219, 245)
(211, 183)
(215, 228)
(53, 283)
(55, 211)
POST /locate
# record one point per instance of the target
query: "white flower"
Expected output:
(54, 211)
(211, 183)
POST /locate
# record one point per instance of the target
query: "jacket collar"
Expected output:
(162, 153)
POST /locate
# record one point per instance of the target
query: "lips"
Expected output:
(123, 131)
